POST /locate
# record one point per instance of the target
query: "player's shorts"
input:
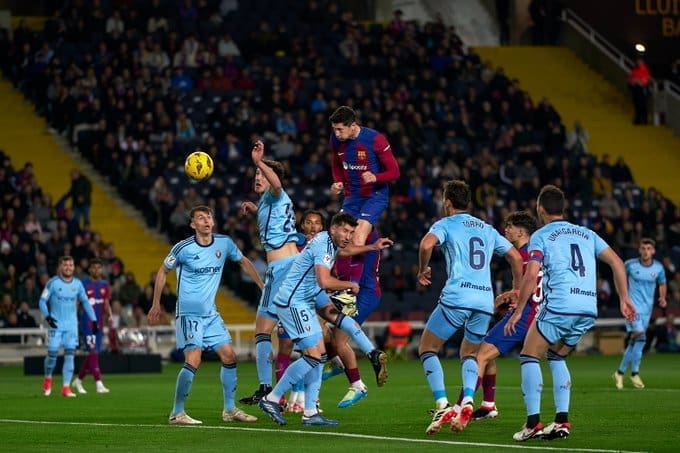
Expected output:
(368, 209)
(506, 343)
(554, 327)
(276, 274)
(66, 338)
(641, 321)
(92, 342)
(201, 332)
(300, 322)
(444, 322)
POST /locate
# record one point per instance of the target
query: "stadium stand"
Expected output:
(134, 103)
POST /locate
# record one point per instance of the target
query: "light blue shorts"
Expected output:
(444, 322)
(66, 338)
(201, 332)
(275, 276)
(558, 326)
(299, 322)
(640, 323)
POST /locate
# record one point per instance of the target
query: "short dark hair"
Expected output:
(648, 241)
(458, 193)
(342, 218)
(199, 208)
(64, 258)
(277, 167)
(522, 219)
(309, 212)
(345, 115)
(94, 261)
(552, 200)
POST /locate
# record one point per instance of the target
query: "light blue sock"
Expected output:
(294, 373)
(434, 374)
(184, 380)
(263, 358)
(229, 380)
(353, 330)
(299, 386)
(470, 375)
(532, 383)
(50, 363)
(312, 383)
(561, 381)
(636, 355)
(627, 359)
(69, 366)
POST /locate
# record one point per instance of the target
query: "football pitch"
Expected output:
(133, 417)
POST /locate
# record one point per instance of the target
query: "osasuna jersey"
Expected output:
(569, 254)
(468, 245)
(98, 292)
(199, 271)
(276, 221)
(60, 299)
(301, 284)
(642, 281)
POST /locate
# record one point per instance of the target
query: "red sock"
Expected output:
(489, 387)
(352, 374)
(282, 362)
(94, 365)
(84, 368)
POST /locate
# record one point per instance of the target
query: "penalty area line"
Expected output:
(314, 433)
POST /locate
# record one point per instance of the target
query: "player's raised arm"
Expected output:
(329, 283)
(389, 163)
(275, 185)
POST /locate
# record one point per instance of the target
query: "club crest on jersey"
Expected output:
(218, 254)
(361, 154)
(327, 259)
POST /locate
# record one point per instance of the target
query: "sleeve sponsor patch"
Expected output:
(535, 255)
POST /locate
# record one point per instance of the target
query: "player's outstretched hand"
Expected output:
(154, 315)
(383, 243)
(509, 328)
(247, 207)
(425, 276)
(51, 322)
(258, 152)
(337, 188)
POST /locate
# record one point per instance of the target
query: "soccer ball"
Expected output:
(198, 166)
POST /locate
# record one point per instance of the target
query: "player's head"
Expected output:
(344, 122)
(312, 223)
(456, 196)
(550, 202)
(202, 219)
(261, 184)
(95, 269)
(66, 266)
(647, 249)
(342, 229)
(519, 226)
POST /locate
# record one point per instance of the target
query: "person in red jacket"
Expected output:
(639, 79)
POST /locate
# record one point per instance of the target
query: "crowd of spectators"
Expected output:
(136, 89)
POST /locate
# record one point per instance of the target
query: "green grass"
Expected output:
(133, 417)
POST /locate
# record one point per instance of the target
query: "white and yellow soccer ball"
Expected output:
(198, 166)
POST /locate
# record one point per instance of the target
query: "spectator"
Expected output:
(666, 335)
(24, 317)
(80, 194)
(639, 79)
(129, 292)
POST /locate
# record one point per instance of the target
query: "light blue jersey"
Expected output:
(569, 253)
(300, 285)
(199, 271)
(276, 221)
(468, 245)
(642, 282)
(60, 299)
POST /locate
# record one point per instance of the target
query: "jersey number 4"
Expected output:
(577, 260)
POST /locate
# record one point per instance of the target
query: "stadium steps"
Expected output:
(580, 93)
(25, 138)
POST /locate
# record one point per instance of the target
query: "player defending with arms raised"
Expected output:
(644, 273)
(99, 294)
(59, 305)
(468, 245)
(276, 225)
(519, 227)
(567, 254)
(198, 261)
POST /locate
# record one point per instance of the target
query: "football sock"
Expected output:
(229, 380)
(295, 372)
(185, 378)
(532, 383)
(352, 375)
(313, 385)
(282, 362)
(263, 355)
(627, 359)
(489, 388)
(434, 374)
(470, 376)
(50, 363)
(561, 381)
(69, 366)
(638, 346)
(85, 368)
(94, 366)
(353, 330)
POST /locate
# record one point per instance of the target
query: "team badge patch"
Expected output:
(218, 254)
